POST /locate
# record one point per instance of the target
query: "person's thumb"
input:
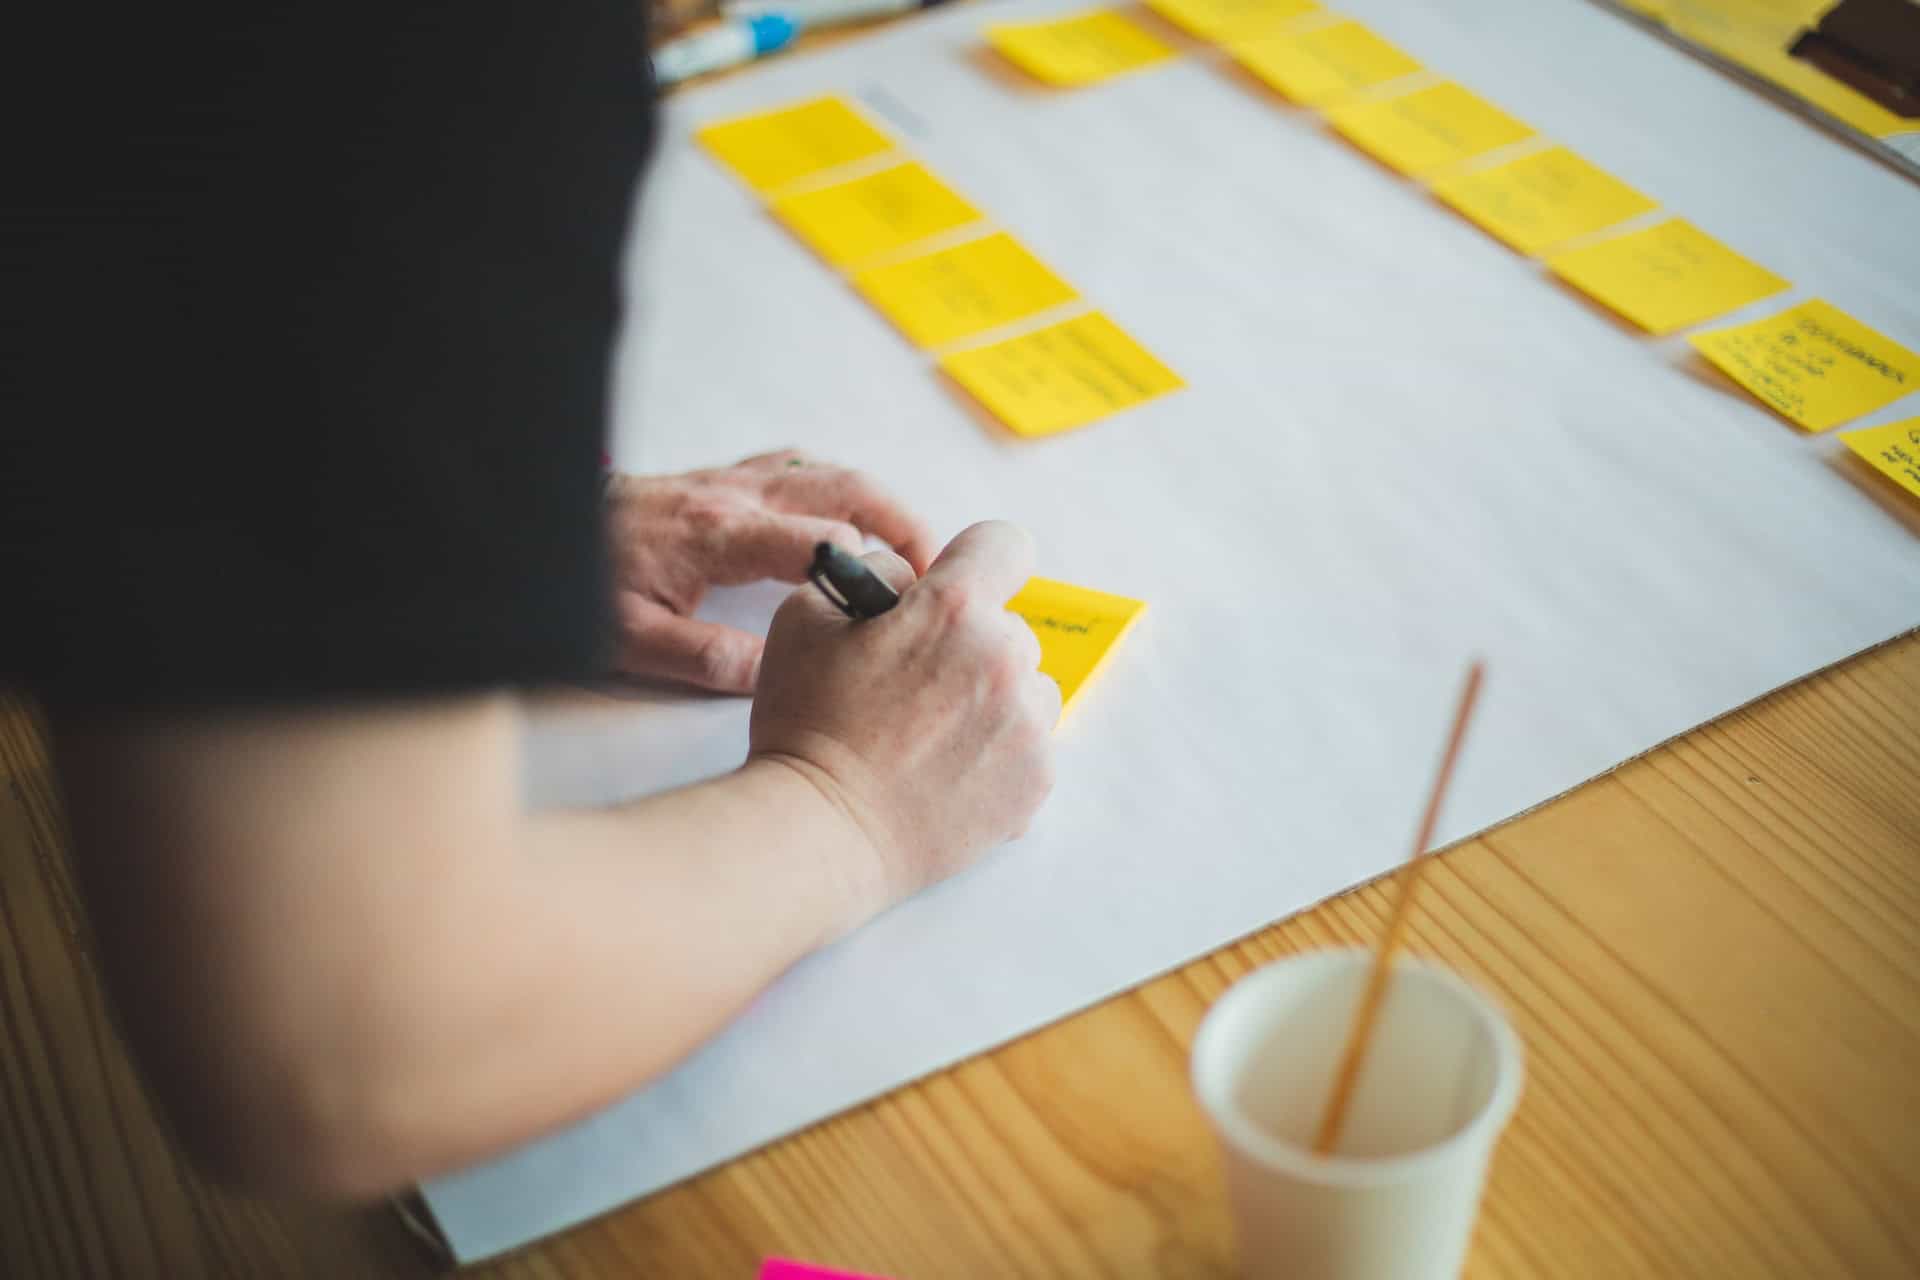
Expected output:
(657, 642)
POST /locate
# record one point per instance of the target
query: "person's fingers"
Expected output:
(657, 642)
(778, 459)
(891, 569)
(849, 495)
(1047, 699)
(1024, 641)
(993, 557)
(773, 545)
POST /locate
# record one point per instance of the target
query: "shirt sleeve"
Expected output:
(312, 383)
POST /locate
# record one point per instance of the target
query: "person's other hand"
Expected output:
(673, 537)
(929, 726)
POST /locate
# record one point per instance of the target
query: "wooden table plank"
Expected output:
(1713, 956)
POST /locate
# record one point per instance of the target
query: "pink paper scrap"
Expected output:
(787, 1269)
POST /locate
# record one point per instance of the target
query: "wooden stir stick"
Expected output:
(1368, 1013)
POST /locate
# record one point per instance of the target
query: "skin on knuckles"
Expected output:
(672, 538)
(931, 722)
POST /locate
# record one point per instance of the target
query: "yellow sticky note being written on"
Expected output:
(774, 148)
(950, 294)
(883, 212)
(1064, 376)
(1321, 65)
(1215, 19)
(1543, 199)
(1428, 129)
(1892, 450)
(1083, 49)
(1078, 629)
(1816, 365)
(1665, 277)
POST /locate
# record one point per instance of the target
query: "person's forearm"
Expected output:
(627, 938)
(349, 958)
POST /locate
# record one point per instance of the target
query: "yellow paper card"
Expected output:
(1078, 629)
(1083, 49)
(1318, 66)
(1215, 19)
(1893, 450)
(1666, 277)
(1815, 364)
(1061, 377)
(853, 221)
(950, 294)
(1543, 199)
(774, 148)
(1428, 129)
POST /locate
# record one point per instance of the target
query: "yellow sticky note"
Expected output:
(1214, 19)
(1814, 363)
(1061, 377)
(1318, 66)
(1893, 450)
(1543, 199)
(1078, 629)
(951, 294)
(853, 221)
(774, 148)
(1428, 129)
(1083, 49)
(1666, 277)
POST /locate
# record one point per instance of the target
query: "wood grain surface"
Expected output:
(1713, 956)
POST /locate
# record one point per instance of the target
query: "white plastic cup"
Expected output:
(1398, 1197)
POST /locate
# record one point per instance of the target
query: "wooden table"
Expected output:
(1713, 956)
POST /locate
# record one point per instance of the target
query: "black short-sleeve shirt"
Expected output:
(308, 338)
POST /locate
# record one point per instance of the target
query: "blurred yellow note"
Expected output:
(1428, 129)
(1666, 277)
(1083, 49)
(1892, 450)
(1543, 199)
(1318, 66)
(1215, 19)
(853, 221)
(1814, 363)
(774, 148)
(951, 294)
(1078, 629)
(1061, 377)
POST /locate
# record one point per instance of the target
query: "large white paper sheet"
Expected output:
(1400, 444)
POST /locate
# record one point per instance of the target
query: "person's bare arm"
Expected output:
(348, 958)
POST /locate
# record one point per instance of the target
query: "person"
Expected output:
(301, 496)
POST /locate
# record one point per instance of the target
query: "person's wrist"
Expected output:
(853, 863)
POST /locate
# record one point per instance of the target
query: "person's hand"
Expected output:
(929, 726)
(673, 537)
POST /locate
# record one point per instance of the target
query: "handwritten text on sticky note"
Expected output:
(1543, 199)
(1893, 450)
(1064, 376)
(773, 148)
(854, 221)
(1078, 629)
(1323, 64)
(1217, 19)
(1083, 49)
(1429, 129)
(1814, 363)
(1665, 277)
(955, 293)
